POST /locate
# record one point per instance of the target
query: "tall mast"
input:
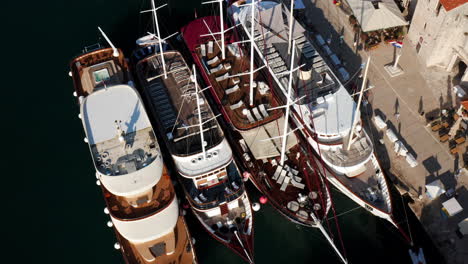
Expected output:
(200, 121)
(252, 28)
(221, 21)
(116, 51)
(290, 26)
(155, 17)
(357, 112)
(288, 102)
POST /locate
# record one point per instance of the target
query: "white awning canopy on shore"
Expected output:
(376, 15)
(434, 189)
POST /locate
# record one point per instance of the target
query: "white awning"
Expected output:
(377, 15)
(452, 206)
(434, 189)
(463, 226)
(149, 228)
(261, 148)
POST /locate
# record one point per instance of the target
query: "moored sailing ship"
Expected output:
(202, 156)
(137, 189)
(324, 108)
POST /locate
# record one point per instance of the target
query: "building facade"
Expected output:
(439, 32)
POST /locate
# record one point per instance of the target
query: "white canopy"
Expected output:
(101, 108)
(463, 225)
(261, 148)
(434, 189)
(452, 206)
(377, 15)
(149, 228)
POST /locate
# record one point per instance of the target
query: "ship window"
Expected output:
(101, 75)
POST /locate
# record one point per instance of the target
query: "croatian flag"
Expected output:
(397, 44)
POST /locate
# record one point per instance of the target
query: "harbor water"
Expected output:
(51, 199)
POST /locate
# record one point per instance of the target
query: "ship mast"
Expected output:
(357, 112)
(200, 122)
(290, 26)
(221, 22)
(155, 17)
(116, 51)
(252, 28)
(288, 103)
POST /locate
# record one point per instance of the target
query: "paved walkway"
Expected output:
(418, 89)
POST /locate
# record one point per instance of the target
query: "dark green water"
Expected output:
(52, 209)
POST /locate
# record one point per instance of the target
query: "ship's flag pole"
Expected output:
(116, 51)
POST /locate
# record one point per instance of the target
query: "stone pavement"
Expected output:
(418, 90)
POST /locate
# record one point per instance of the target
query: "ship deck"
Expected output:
(234, 92)
(143, 205)
(174, 100)
(98, 69)
(174, 247)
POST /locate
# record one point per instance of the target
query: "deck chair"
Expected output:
(227, 66)
(216, 69)
(232, 89)
(263, 110)
(235, 80)
(247, 113)
(277, 172)
(257, 113)
(263, 88)
(296, 183)
(203, 50)
(282, 176)
(285, 183)
(237, 105)
(213, 60)
(210, 47)
(222, 77)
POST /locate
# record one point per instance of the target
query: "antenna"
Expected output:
(221, 20)
(200, 123)
(155, 17)
(116, 51)
(288, 102)
(357, 112)
(290, 26)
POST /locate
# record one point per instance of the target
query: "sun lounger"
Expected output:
(235, 80)
(203, 50)
(247, 113)
(297, 184)
(282, 176)
(257, 113)
(210, 47)
(216, 69)
(285, 183)
(227, 66)
(222, 77)
(277, 172)
(232, 89)
(237, 105)
(263, 110)
(213, 60)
